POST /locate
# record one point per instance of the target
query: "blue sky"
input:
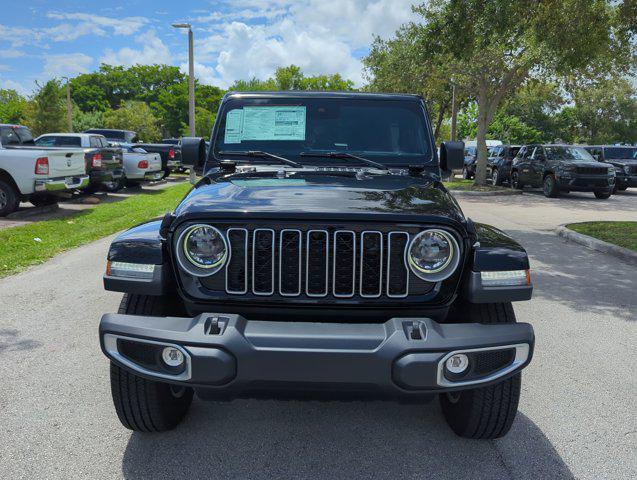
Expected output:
(233, 38)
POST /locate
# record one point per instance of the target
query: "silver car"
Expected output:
(139, 165)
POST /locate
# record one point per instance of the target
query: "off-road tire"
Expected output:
(146, 405)
(549, 186)
(485, 412)
(515, 180)
(496, 178)
(9, 198)
(602, 195)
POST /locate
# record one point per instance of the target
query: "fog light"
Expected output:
(457, 363)
(173, 357)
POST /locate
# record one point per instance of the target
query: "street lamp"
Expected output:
(191, 78)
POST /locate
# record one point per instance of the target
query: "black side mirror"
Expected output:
(193, 152)
(451, 155)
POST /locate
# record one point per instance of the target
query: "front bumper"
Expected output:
(626, 181)
(62, 184)
(230, 356)
(585, 183)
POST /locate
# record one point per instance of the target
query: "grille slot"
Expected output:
(397, 273)
(317, 263)
(344, 268)
(237, 268)
(263, 262)
(290, 263)
(371, 276)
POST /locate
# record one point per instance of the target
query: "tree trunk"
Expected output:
(441, 117)
(481, 138)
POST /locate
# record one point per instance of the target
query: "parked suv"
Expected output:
(114, 135)
(319, 256)
(104, 163)
(623, 158)
(499, 163)
(561, 168)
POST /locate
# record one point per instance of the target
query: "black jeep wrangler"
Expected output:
(318, 257)
(561, 168)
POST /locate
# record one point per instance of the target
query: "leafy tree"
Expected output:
(136, 116)
(292, 78)
(204, 120)
(12, 107)
(85, 120)
(491, 47)
(46, 112)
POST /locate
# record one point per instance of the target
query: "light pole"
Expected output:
(191, 78)
(69, 107)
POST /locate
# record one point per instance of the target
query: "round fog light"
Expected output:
(457, 363)
(173, 357)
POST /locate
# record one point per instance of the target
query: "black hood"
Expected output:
(324, 196)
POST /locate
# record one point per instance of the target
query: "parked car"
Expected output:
(104, 163)
(499, 163)
(35, 174)
(319, 256)
(561, 168)
(170, 155)
(623, 158)
(114, 135)
(471, 156)
(139, 165)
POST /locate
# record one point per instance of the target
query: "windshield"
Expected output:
(574, 154)
(620, 153)
(391, 132)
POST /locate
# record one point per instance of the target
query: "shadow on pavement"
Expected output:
(271, 439)
(582, 279)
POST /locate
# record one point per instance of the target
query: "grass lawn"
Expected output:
(31, 244)
(623, 234)
(462, 184)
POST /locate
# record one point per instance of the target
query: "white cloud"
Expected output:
(5, 83)
(320, 36)
(66, 64)
(119, 26)
(152, 51)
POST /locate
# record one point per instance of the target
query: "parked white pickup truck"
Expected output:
(35, 174)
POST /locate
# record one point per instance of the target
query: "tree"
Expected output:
(292, 78)
(12, 107)
(136, 116)
(46, 112)
(204, 120)
(489, 48)
(85, 120)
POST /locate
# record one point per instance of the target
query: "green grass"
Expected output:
(462, 184)
(20, 249)
(623, 234)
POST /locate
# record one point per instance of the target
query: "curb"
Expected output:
(471, 193)
(598, 245)
(30, 212)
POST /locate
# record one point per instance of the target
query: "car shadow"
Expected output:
(272, 439)
(569, 273)
(10, 341)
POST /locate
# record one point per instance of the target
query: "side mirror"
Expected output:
(193, 152)
(451, 155)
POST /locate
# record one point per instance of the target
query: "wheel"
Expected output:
(114, 185)
(41, 200)
(146, 405)
(465, 173)
(485, 412)
(602, 195)
(549, 186)
(9, 198)
(495, 177)
(515, 180)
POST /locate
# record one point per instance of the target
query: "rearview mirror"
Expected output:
(193, 152)
(451, 155)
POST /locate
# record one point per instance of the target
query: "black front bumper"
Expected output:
(400, 358)
(585, 183)
(626, 181)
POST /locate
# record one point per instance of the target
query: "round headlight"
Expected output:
(433, 255)
(203, 247)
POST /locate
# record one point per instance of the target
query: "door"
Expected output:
(537, 165)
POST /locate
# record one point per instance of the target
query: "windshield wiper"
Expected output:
(371, 163)
(259, 153)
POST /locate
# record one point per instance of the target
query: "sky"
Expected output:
(234, 39)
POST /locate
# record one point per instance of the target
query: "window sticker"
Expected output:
(265, 123)
(234, 125)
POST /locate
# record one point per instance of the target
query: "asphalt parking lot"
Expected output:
(577, 413)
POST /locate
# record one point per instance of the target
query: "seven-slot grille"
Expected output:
(317, 263)
(592, 170)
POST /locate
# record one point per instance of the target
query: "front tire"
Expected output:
(515, 180)
(549, 186)
(9, 198)
(495, 177)
(146, 405)
(602, 195)
(485, 412)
